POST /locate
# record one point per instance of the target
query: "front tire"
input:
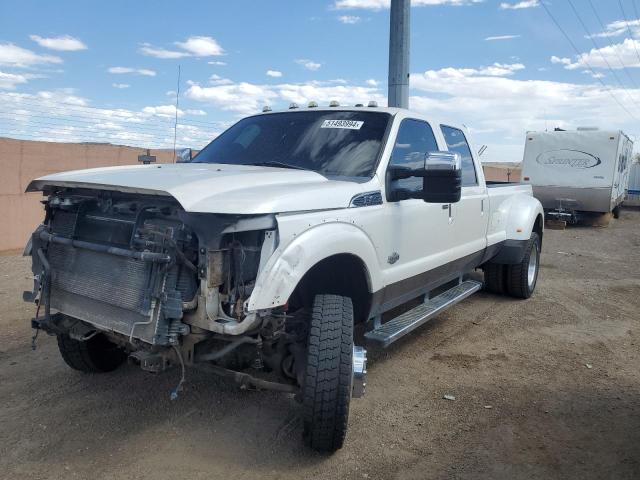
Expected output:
(328, 376)
(522, 278)
(96, 355)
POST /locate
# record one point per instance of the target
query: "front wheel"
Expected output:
(96, 355)
(522, 278)
(328, 376)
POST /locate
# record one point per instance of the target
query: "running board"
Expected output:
(390, 331)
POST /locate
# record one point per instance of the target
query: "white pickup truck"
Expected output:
(256, 259)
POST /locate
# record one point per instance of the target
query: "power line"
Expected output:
(606, 87)
(595, 12)
(595, 44)
(624, 15)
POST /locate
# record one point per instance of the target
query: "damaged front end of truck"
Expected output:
(138, 275)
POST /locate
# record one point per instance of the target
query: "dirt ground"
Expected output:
(544, 388)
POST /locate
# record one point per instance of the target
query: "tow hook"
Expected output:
(359, 373)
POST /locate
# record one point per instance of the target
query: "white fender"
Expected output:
(289, 262)
(520, 213)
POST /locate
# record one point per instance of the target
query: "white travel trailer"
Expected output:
(633, 189)
(577, 172)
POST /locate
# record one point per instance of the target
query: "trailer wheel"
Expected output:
(522, 277)
(96, 355)
(494, 278)
(616, 212)
(328, 377)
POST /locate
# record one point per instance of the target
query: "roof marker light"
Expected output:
(313, 104)
(266, 108)
(293, 105)
(359, 105)
(373, 104)
(334, 103)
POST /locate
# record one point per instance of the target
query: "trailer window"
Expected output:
(457, 142)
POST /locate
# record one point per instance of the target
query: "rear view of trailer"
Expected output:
(577, 172)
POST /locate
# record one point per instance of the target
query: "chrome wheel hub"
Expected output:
(359, 372)
(533, 267)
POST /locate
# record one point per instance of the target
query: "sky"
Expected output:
(108, 71)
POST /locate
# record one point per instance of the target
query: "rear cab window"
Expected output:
(457, 142)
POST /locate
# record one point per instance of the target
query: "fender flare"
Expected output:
(289, 263)
(522, 212)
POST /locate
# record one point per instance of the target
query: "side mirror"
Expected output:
(441, 179)
(184, 155)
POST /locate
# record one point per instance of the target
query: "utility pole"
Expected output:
(400, 26)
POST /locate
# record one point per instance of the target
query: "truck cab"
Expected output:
(256, 259)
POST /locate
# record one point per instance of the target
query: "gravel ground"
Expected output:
(544, 388)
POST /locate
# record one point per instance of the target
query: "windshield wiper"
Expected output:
(274, 163)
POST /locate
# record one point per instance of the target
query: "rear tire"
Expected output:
(522, 278)
(328, 377)
(96, 355)
(494, 278)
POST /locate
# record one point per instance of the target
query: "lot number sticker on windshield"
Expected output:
(348, 124)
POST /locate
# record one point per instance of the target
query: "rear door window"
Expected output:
(457, 142)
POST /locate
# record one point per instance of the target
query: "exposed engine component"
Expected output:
(141, 267)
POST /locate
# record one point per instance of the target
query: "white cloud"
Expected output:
(625, 52)
(64, 43)
(561, 61)
(200, 46)
(214, 80)
(136, 71)
(195, 46)
(372, 83)
(309, 64)
(619, 27)
(501, 37)
(13, 56)
(595, 75)
(120, 85)
(495, 70)
(151, 51)
(519, 5)
(380, 4)
(163, 111)
(9, 81)
(246, 98)
(274, 73)
(198, 113)
(150, 128)
(349, 19)
(217, 62)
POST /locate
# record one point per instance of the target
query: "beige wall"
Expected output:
(501, 174)
(22, 160)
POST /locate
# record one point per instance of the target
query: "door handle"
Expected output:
(445, 207)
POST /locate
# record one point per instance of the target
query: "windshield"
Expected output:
(342, 143)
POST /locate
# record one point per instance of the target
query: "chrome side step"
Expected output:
(390, 331)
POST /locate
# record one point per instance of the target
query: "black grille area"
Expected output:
(63, 223)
